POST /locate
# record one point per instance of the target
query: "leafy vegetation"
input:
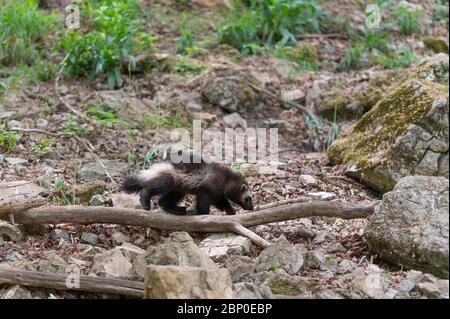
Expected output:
(110, 47)
(408, 19)
(23, 31)
(8, 140)
(269, 22)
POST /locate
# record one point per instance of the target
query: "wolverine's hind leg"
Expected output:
(169, 202)
(159, 185)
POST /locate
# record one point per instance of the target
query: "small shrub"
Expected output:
(8, 140)
(103, 114)
(23, 30)
(353, 58)
(269, 22)
(110, 46)
(305, 56)
(397, 59)
(408, 18)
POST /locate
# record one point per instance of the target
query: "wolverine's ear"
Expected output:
(244, 188)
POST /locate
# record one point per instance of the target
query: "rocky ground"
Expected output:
(311, 257)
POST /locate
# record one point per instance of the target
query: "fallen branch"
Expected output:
(92, 284)
(203, 223)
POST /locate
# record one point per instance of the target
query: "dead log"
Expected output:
(19, 196)
(64, 282)
(203, 223)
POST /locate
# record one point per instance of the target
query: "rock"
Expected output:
(91, 172)
(435, 290)
(256, 169)
(322, 195)
(293, 95)
(1, 241)
(247, 290)
(314, 258)
(406, 285)
(280, 254)
(52, 264)
(371, 284)
(12, 255)
(230, 90)
(89, 238)
(436, 44)
(35, 230)
(138, 239)
(15, 161)
(194, 107)
(328, 294)
(122, 200)
(59, 234)
(240, 268)
(234, 120)
(281, 284)
(347, 265)
(7, 115)
(16, 292)
(285, 68)
(120, 237)
(305, 232)
(136, 256)
(13, 123)
(410, 227)
(219, 246)
(10, 232)
(336, 248)
(163, 282)
(41, 123)
(97, 200)
(383, 147)
(308, 180)
(178, 249)
(112, 263)
(84, 193)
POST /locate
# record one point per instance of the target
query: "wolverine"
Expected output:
(211, 183)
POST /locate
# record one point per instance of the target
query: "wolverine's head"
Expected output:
(239, 192)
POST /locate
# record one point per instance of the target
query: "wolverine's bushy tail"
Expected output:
(131, 184)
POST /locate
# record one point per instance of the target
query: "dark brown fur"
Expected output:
(212, 184)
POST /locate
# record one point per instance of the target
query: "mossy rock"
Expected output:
(231, 90)
(405, 133)
(436, 44)
(84, 193)
(291, 285)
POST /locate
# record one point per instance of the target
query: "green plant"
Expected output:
(59, 187)
(110, 46)
(8, 140)
(376, 40)
(274, 266)
(305, 56)
(353, 58)
(72, 126)
(3, 88)
(184, 65)
(23, 31)
(186, 41)
(103, 114)
(269, 22)
(43, 146)
(400, 58)
(408, 18)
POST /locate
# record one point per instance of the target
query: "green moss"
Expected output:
(377, 88)
(436, 44)
(281, 286)
(85, 192)
(378, 129)
(305, 56)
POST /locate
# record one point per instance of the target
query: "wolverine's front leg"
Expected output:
(203, 203)
(225, 205)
